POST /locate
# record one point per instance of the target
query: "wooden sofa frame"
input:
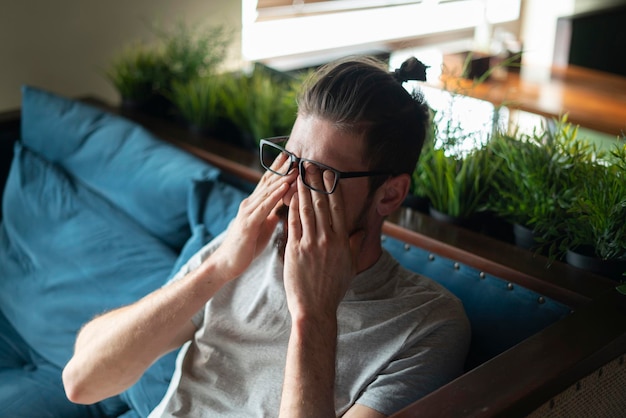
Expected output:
(531, 378)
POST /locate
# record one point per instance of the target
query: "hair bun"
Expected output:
(411, 69)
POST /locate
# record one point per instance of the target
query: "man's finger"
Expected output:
(306, 211)
(293, 220)
(336, 209)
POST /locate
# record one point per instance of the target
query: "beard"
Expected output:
(280, 239)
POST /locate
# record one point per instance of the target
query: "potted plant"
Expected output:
(454, 171)
(534, 186)
(144, 74)
(192, 51)
(136, 74)
(198, 102)
(595, 225)
(258, 105)
(457, 185)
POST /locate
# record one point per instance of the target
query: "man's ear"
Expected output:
(391, 194)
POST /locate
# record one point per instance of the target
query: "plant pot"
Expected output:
(524, 237)
(228, 131)
(200, 130)
(444, 217)
(584, 258)
(155, 105)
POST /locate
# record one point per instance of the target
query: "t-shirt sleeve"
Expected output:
(428, 361)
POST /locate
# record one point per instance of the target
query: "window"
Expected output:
(302, 29)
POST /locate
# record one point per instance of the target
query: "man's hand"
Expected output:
(320, 263)
(254, 224)
(321, 256)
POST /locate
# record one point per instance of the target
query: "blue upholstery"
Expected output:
(67, 255)
(30, 386)
(501, 314)
(95, 211)
(118, 159)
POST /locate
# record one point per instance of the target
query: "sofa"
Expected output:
(100, 208)
(96, 213)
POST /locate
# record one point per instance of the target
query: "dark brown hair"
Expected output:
(359, 94)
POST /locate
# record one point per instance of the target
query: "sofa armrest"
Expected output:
(526, 376)
(520, 380)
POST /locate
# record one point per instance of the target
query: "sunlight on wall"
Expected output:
(539, 32)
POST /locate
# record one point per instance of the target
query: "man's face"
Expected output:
(317, 139)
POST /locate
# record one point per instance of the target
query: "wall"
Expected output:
(65, 45)
(598, 40)
(539, 25)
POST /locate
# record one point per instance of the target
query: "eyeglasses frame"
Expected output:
(296, 161)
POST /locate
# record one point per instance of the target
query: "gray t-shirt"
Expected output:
(400, 336)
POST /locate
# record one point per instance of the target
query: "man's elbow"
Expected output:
(76, 386)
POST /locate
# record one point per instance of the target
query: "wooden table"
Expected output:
(592, 99)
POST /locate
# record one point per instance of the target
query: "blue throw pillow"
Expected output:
(142, 175)
(215, 204)
(67, 254)
(211, 207)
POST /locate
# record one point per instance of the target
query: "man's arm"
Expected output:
(310, 374)
(114, 350)
(308, 387)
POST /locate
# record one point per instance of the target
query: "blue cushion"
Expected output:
(31, 387)
(145, 177)
(215, 204)
(211, 207)
(501, 314)
(67, 254)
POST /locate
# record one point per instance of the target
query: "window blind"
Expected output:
(276, 9)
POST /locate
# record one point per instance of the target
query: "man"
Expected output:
(296, 310)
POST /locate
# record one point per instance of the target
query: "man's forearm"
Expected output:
(309, 385)
(114, 350)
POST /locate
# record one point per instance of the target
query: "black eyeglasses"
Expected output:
(270, 150)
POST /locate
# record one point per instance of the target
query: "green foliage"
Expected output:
(596, 217)
(179, 55)
(199, 100)
(137, 72)
(455, 169)
(260, 104)
(534, 184)
(560, 185)
(458, 185)
(191, 51)
(552, 181)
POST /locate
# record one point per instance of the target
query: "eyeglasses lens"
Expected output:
(318, 177)
(269, 153)
(314, 175)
